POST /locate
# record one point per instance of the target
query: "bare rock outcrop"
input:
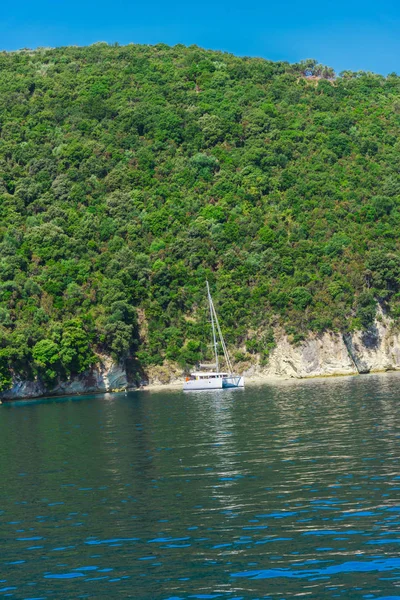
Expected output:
(319, 355)
(378, 348)
(106, 376)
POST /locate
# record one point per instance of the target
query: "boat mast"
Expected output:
(226, 355)
(210, 302)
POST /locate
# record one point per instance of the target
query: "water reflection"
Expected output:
(277, 491)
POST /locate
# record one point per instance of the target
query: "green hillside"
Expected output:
(129, 175)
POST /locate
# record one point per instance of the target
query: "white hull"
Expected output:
(235, 381)
(214, 383)
(202, 384)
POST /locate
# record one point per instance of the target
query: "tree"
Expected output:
(46, 355)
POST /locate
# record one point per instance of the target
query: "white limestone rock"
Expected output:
(377, 349)
(319, 355)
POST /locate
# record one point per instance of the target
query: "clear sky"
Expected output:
(352, 34)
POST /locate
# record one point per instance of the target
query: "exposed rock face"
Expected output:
(24, 389)
(104, 377)
(319, 355)
(377, 349)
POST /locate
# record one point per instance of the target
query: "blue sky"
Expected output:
(345, 35)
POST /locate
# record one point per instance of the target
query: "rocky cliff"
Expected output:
(106, 376)
(321, 355)
(377, 349)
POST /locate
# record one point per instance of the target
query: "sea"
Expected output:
(278, 491)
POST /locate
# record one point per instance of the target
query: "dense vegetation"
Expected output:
(129, 175)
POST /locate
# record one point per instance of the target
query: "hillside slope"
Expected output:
(129, 175)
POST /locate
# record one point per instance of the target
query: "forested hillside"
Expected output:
(129, 175)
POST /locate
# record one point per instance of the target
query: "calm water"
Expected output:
(283, 491)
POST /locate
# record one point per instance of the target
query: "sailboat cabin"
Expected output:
(203, 375)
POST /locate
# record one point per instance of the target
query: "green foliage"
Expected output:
(46, 354)
(262, 345)
(301, 297)
(129, 175)
(5, 374)
(75, 353)
(384, 273)
(366, 309)
(190, 353)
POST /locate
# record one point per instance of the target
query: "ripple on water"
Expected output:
(279, 490)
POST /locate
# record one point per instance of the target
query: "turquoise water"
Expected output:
(281, 491)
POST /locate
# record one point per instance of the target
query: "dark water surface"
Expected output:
(281, 491)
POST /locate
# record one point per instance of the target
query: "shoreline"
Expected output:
(177, 385)
(264, 379)
(249, 380)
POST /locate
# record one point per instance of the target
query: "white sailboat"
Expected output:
(214, 378)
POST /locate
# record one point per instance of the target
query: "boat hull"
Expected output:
(235, 381)
(202, 384)
(214, 383)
